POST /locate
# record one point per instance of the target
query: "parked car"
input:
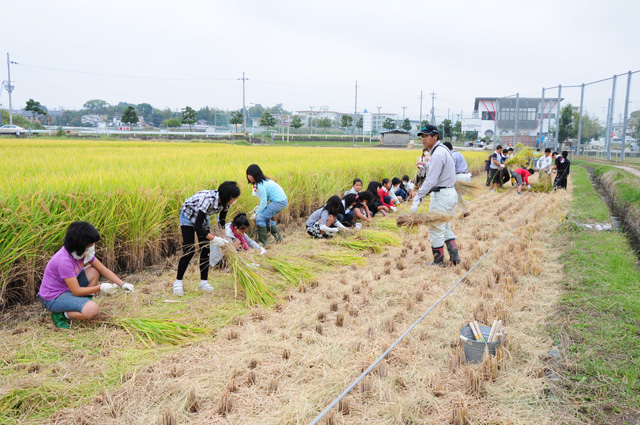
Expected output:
(11, 129)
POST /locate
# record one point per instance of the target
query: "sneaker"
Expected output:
(519, 193)
(205, 287)
(493, 190)
(178, 290)
(60, 320)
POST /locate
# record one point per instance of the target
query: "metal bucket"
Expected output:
(474, 350)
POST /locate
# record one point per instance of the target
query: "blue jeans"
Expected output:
(264, 217)
(184, 220)
(401, 193)
(67, 301)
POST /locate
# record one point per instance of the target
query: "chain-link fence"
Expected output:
(599, 118)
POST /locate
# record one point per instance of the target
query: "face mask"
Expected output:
(88, 254)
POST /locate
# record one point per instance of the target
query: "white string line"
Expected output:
(382, 357)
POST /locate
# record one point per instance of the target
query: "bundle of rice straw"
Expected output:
(426, 219)
(293, 272)
(468, 189)
(545, 183)
(522, 159)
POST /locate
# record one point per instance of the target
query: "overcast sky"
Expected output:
(302, 54)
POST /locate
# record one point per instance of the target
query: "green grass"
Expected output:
(600, 315)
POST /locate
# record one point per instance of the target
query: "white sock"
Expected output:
(66, 315)
(203, 282)
(177, 283)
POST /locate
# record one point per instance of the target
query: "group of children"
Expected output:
(359, 205)
(498, 174)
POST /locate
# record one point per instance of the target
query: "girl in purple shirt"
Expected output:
(68, 285)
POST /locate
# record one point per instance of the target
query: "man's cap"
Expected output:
(428, 130)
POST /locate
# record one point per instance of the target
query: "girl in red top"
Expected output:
(521, 175)
(385, 197)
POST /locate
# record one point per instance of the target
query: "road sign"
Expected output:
(367, 121)
(124, 128)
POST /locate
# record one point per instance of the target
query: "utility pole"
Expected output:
(244, 109)
(555, 145)
(403, 111)
(626, 112)
(433, 109)
(355, 117)
(378, 120)
(420, 123)
(10, 88)
(610, 118)
(311, 120)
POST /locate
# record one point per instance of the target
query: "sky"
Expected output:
(310, 54)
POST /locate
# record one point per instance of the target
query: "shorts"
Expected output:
(314, 230)
(492, 176)
(184, 221)
(67, 301)
(518, 178)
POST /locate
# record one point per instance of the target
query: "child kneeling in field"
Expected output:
(324, 220)
(355, 206)
(236, 233)
(68, 285)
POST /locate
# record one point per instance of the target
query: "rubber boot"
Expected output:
(263, 235)
(60, 320)
(452, 247)
(276, 232)
(438, 257)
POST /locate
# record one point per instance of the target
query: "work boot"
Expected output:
(276, 233)
(60, 320)
(452, 247)
(438, 257)
(263, 235)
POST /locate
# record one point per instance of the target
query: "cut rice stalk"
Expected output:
(468, 189)
(158, 330)
(256, 289)
(379, 238)
(339, 258)
(294, 273)
(417, 219)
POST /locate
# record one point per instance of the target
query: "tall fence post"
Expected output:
(539, 144)
(515, 126)
(555, 141)
(610, 121)
(580, 120)
(626, 112)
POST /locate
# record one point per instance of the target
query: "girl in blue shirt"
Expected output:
(272, 201)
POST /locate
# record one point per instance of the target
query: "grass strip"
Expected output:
(600, 316)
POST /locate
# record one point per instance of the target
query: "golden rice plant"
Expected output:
(254, 283)
(338, 258)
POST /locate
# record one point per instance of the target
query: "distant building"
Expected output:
(94, 120)
(395, 138)
(493, 115)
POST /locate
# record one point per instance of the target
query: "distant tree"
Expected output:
(278, 109)
(346, 121)
(591, 127)
(129, 115)
(35, 108)
(172, 123)
(446, 127)
(457, 129)
(634, 125)
(267, 120)
(145, 109)
(236, 118)
(422, 124)
(159, 116)
(406, 124)
(566, 129)
(71, 118)
(256, 111)
(324, 123)
(189, 116)
(389, 124)
(96, 106)
(360, 123)
(296, 122)
(205, 114)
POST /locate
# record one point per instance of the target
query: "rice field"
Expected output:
(132, 192)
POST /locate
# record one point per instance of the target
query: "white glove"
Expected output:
(528, 186)
(253, 216)
(358, 226)
(326, 229)
(219, 242)
(340, 225)
(108, 288)
(501, 165)
(127, 287)
(262, 251)
(414, 208)
(394, 209)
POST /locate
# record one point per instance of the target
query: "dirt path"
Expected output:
(286, 364)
